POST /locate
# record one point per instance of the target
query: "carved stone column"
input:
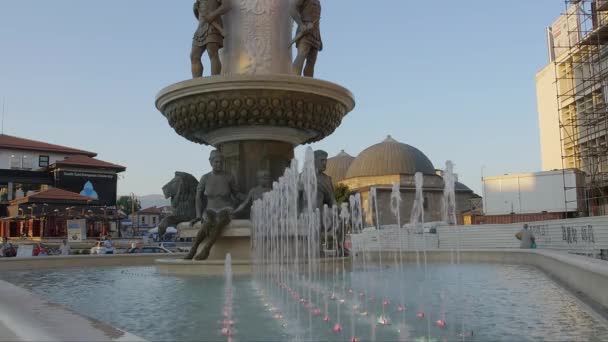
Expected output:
(259, 33)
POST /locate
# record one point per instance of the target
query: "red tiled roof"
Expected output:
(8, 141)
(79, 160)
(56, 194)
(150, 211)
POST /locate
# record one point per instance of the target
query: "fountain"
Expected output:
(254, 108)
(297, 293)
(282, 278)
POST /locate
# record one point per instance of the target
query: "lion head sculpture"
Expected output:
(182, 191)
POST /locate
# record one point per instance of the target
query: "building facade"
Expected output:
(43, 186)
(572, 103)
(146, 219)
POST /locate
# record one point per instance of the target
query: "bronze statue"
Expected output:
(326, 196)
(325, 187)
(181, 189)
(209, 35)
(307, 14)
(216, 194)
(264, 185)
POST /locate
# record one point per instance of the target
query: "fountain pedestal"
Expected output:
(236, 240)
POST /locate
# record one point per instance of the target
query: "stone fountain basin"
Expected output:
(217, 109)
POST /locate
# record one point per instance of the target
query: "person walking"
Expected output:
(65, 249)
(526, 237)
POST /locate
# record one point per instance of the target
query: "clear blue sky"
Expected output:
(453, 78)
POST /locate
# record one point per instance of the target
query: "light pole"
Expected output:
(43, 220)
(133, 199)
(56, 211)
(483, 190)
(21, 223)
(104, 222)
(31, 219)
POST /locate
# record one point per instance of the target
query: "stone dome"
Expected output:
(338, 166)
(390, 157)
(461, 187)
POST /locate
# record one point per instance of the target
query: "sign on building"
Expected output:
(566, 31)
(77, 230)
(530, 193)
(25, 251)
(100, 186)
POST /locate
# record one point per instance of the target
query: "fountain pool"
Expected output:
(497, 302)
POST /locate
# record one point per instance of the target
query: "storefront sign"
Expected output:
(77, 230)
(25, 251)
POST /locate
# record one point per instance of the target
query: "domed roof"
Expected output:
(462, 186)
(338, 165)
(390, 157)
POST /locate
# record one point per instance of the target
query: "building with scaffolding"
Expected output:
(572, 93)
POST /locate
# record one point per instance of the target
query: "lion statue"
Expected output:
(182, 191)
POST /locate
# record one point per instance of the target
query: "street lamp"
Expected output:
(483, 190)
(21, 223)
(69, 211)
(104, 221)
(43, 219)
(133, 199)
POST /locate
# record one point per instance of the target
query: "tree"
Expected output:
(342, 193)
(125, 203)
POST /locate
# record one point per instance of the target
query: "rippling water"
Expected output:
(495, 302)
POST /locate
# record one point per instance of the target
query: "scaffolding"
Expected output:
(579, 51)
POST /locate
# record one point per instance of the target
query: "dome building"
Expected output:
(381, 165)
(338, 166)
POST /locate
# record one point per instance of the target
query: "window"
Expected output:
(26, 163)
(43, 161)
(153, 219)
(15, 162)
(143, 219)
(426, 203)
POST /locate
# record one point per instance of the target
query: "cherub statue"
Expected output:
(307, 14)
(264, 185)
(209, 35)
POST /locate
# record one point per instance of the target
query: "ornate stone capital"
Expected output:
(198, 108)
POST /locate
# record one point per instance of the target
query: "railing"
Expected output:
(588, 235)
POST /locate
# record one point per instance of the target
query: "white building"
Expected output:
(20, 157)
(25, 154)
(548, 119)
(530, 193)
(147, 218)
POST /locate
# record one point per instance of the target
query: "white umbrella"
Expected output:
(153, 231)
(170, 230)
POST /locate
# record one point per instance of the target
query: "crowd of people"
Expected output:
(8, 250)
